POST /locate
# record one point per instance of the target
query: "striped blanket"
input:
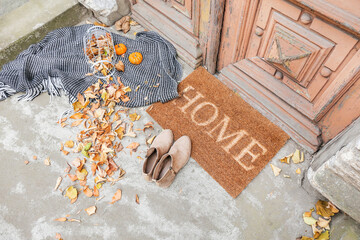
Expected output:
(58, 63)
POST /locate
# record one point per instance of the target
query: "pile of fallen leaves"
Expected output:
(321, 226)
(99, 141)
(296, 157)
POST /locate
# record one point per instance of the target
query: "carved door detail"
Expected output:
(289, 62)
(177, 20)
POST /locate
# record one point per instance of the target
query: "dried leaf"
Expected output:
(298, 171)
(58, 182)
(323, 222)
(302, 157)
(134, 117)
(137, 199)
(81, 175)
(26, 162)
(76, 123)
(73, 220)
(323, 209)
(276, 170)
(58, 236)
(88, 192)
(333, 208)
(324, 236)
(296, 156)
(133, 146)
(72, 177)
(286, 159)
(71, 192)
(100, 24)
(120, 66)
(79, 116)
(47, 161)
(90, 210)
(116, 197)
(62, 219)
(150, 140)
(76, 163)
(308, 214)
(96, 191)
(35, 157)
(309, 220)
(69, 144)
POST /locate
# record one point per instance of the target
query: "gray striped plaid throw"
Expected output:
(58, 63)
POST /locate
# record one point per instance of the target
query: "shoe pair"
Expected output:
(164, 159)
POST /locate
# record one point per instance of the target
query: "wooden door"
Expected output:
(176, 20)
(292, 60)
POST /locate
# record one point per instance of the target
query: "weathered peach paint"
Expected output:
(293, 58)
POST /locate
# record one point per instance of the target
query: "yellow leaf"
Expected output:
(69, 144)
(286, 159)
(81, 175)
(296, 156)
(298, 171)
(324, 236)
(99, 185)
(276, 170)
(309, 220)
(323, 209)
(71, 193)
(133, 117)
(120, 132)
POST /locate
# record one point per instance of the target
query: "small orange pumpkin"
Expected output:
(120, 49)
(135, 58)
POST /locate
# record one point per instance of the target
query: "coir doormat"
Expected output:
(231, 140)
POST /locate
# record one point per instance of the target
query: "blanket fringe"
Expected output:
(52, 85)
(6, 91)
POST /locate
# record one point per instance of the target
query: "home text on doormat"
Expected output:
(231, 140)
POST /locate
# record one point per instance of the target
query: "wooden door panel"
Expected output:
(184, 13)
(176, 20)
(294, 54)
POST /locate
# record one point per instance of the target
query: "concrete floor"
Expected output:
(194, 207)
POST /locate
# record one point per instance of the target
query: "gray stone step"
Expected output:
(24, 24)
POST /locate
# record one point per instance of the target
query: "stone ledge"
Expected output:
(338, 179)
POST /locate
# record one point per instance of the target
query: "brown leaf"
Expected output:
(137, 199)
(116, 197)
(62, 219)
(133, 146)
(91, 210)
(58, 236)
(125, 27)
(35, 157)
(79, 116)
(100, 24)
(26, 162)
(120, 66)
(88, 192)
(76, 123)
(80, 98)
(323, 209)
